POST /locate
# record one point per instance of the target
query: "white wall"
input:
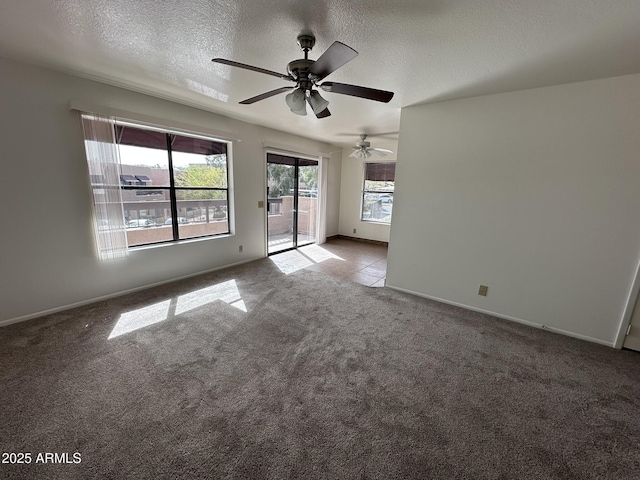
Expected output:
(351, 200)
(47, 259)
(534, 193)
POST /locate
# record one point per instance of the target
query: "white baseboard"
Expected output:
(31, 316)
(506, 317)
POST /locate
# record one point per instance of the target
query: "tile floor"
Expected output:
(359, 262)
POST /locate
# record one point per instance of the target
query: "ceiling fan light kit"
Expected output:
(361, 154)
(318, 104)
(307, 73)
(296, 101)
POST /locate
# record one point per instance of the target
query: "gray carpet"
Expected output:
(319, 378)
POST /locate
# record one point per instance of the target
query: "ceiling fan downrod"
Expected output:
(306, 43)
(299, 69)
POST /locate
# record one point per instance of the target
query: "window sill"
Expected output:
(377, 222)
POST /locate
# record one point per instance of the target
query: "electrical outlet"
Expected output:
(483, 290)
(240, 249)
(354, 230)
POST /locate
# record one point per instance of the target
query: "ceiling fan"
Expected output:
(363, 149)
(307, 73)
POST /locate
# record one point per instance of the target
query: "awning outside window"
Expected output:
(138, 137)
(286, 160)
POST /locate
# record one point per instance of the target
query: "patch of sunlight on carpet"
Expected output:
(226, 292)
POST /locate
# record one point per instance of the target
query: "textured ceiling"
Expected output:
(423, 50)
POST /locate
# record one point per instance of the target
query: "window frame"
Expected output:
(364, 192)
(172, 188)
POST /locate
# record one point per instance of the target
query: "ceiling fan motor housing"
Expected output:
(299, 69)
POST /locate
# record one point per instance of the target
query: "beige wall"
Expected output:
(533, 193)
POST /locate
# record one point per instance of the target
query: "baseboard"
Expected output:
(357, 239)
(506, 317)
(32, 316)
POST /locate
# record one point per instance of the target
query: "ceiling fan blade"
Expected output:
(380, 154)
(382, 151)
(356, 91)
(332, 59)
(257, 98)
(324, 114)
(383, 134)
(252, 68)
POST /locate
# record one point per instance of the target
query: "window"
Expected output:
(377, 196)
(172, 186)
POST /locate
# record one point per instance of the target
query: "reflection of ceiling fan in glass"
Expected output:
(306, 73)
(363, 149)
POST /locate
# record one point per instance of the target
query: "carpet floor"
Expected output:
(249, 372)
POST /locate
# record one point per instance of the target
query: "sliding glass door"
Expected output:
(281, 176)
(292, 202)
